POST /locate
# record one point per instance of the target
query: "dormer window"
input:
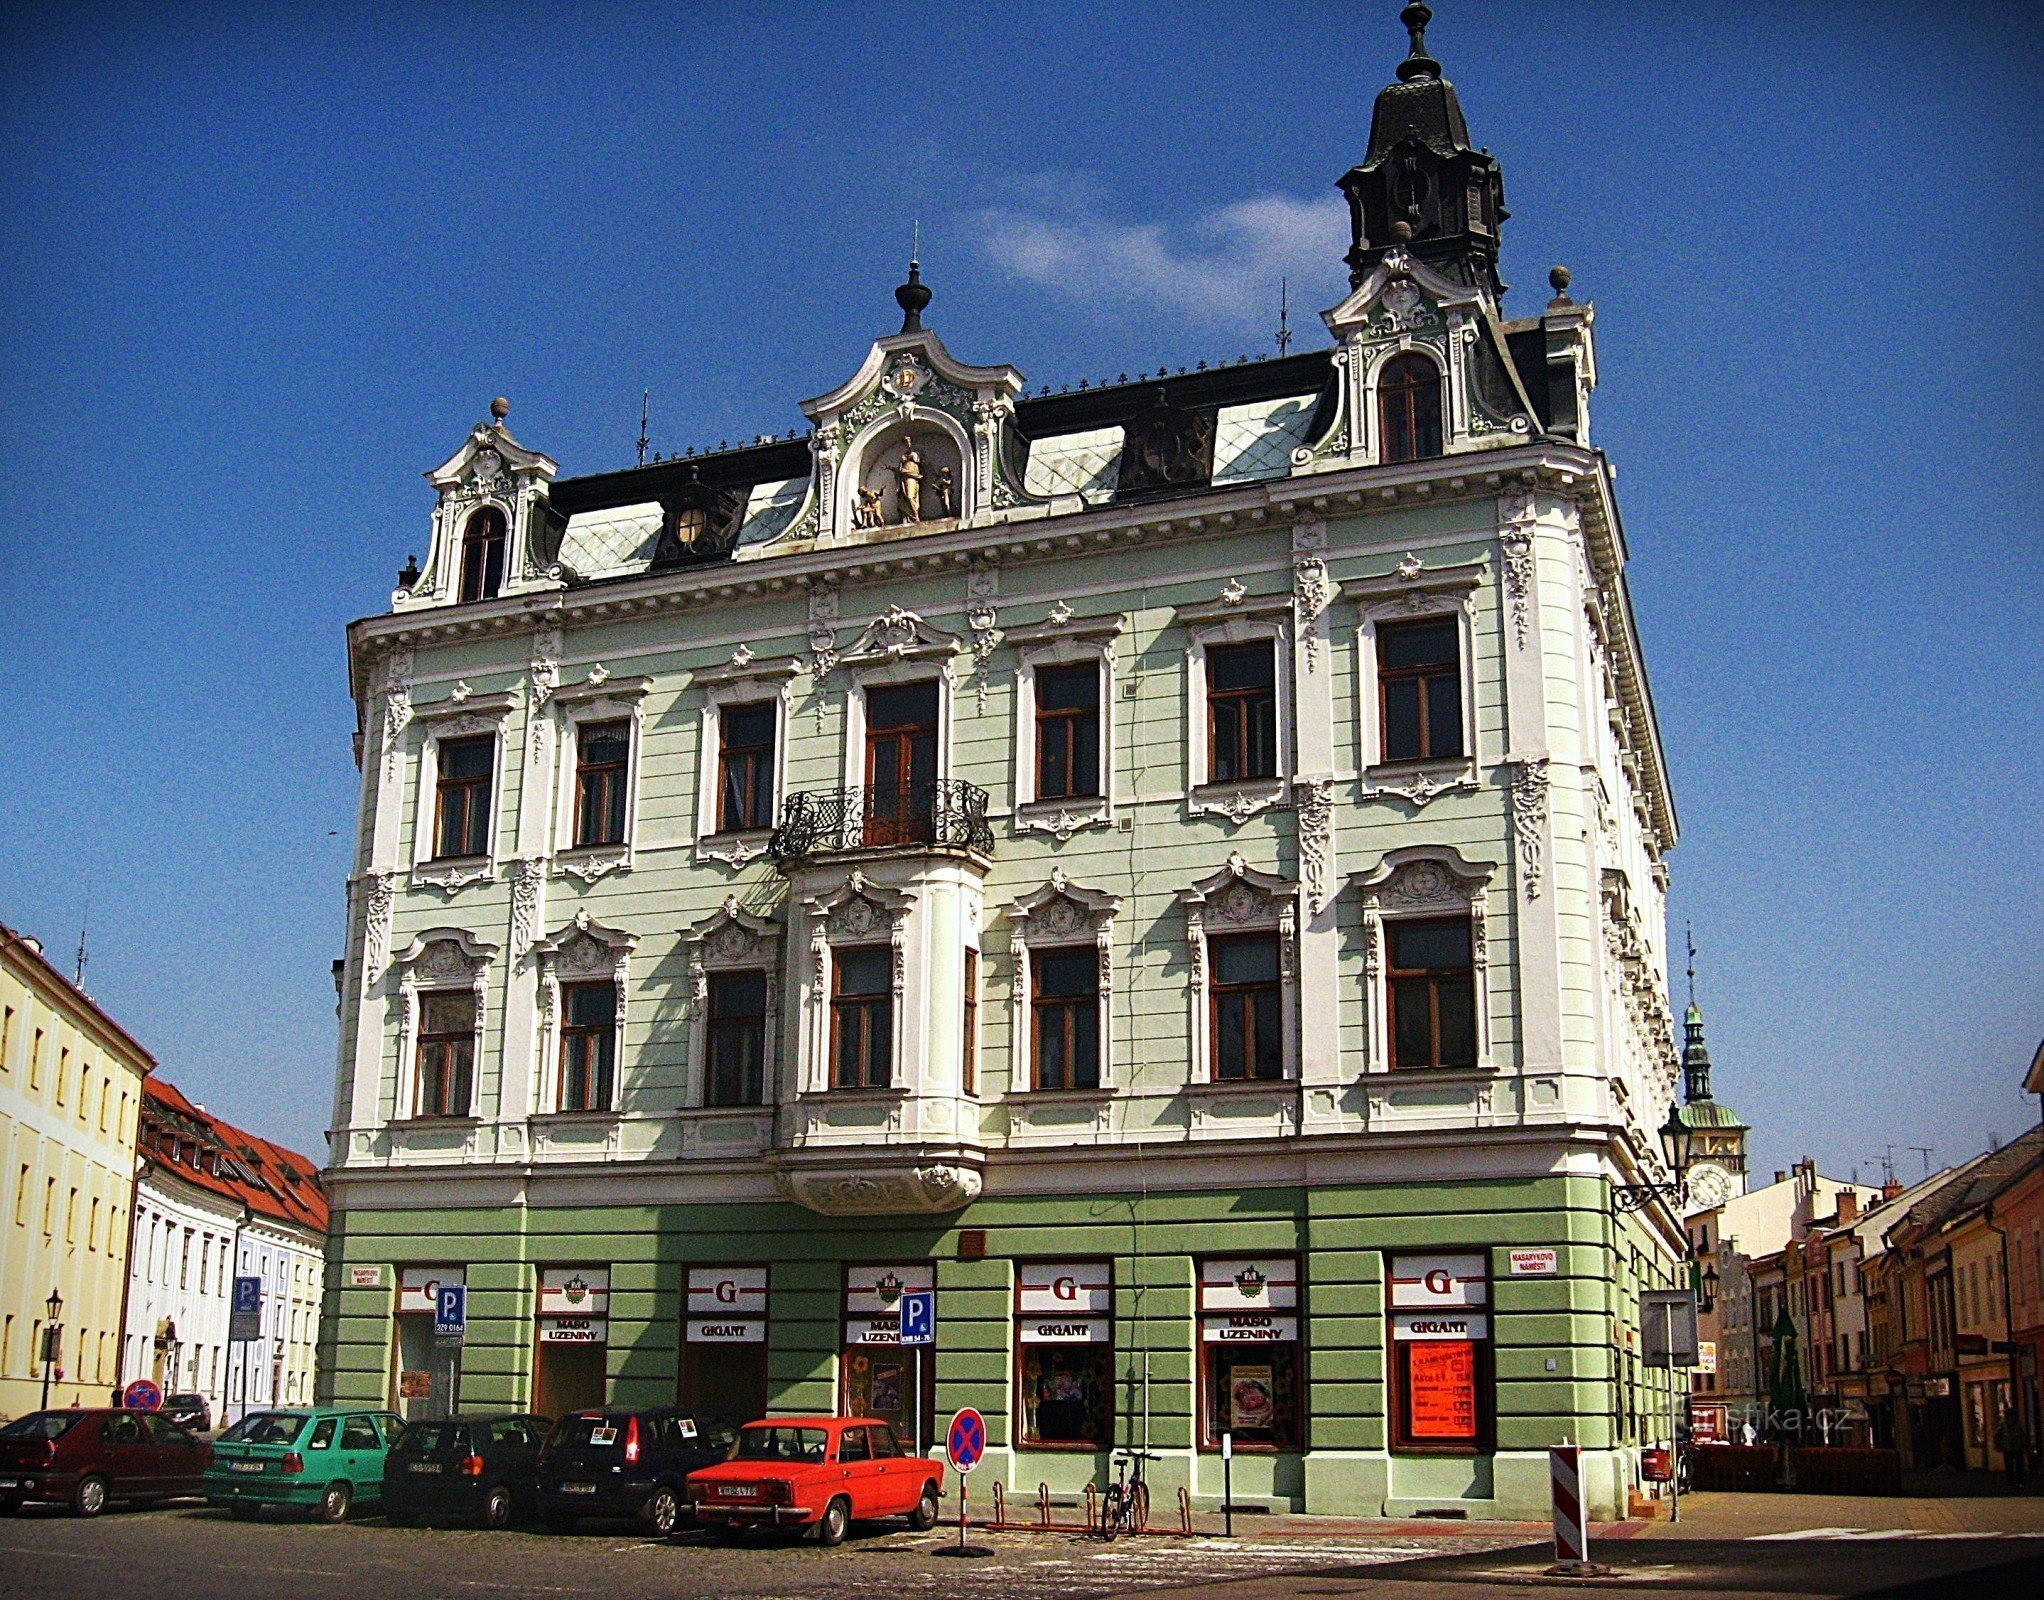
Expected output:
(482, 555)
(1408, 409)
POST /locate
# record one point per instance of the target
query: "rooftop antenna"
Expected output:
(78, 966)
(645, 399)
(1923, 1150)
(1284, 339)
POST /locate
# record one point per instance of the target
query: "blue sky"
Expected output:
(265, 265)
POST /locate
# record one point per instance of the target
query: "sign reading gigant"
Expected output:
(727, 1305)
(1064, 1302)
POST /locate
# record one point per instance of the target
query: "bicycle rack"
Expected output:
(1092, 1509)
(1184, 1510)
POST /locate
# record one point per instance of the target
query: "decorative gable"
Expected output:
(490, 472)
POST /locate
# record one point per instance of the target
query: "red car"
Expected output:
(820, 1472)
(84, 1459)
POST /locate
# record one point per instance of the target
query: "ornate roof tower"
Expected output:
(1421, 186)
(1718, 1164)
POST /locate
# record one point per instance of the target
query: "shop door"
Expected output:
(901, 763)
(570, 1378)
(428, 1372)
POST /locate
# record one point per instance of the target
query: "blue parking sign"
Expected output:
(245, 1311)
(450, 1311)
(919, 1318)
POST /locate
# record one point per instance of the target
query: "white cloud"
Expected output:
(1223, 264)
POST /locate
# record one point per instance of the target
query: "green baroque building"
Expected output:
(1177, 866)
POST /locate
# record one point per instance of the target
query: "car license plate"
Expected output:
(425, 1466)
(8, 1483)
(578, 1488)
(247, 1466)
(734, 1491)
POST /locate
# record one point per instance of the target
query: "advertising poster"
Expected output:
(1251, 1398)
(1441, 1392)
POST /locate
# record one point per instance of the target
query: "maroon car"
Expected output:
(84, 1459)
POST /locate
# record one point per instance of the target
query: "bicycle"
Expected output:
(1125, 1508)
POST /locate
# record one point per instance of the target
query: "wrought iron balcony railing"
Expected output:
(818, 822)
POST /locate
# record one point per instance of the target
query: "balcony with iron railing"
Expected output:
(946, 816)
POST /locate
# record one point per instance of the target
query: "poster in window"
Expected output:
(886, 1393)
(1251, 1398)
(1441, 1390)
(414, 1385)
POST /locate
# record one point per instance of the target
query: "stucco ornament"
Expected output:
(928, 1189)
(397, 706)
(1316, 837)
(1529, 822)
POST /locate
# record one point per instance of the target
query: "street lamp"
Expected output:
(1677, 1138)
(51, 1333)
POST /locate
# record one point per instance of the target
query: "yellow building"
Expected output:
(70, 1097)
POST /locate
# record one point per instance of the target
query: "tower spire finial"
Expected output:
(1689, 938)
(913, 296)
(645, 400)
(1284, 334)
(1417, 63)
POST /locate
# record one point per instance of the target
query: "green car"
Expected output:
(321, 1461)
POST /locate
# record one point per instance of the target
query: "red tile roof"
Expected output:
(216, 1155)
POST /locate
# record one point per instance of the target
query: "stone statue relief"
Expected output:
(908, 478)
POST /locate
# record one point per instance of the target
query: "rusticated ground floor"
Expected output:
(1364, 1350)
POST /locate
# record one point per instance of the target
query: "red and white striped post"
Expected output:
(1571, 1516)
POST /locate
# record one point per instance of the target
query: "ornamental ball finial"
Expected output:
(500, 408)
(1401, 230)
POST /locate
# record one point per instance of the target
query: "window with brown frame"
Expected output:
(1433, 994)
(588, 1045)
(1068, 732)
(1064, 1004)
(603, 754)
(463, 824)
(968, 1067)
(1419, 689)
(482, 555)
(745, 768)
(1244, 1000)
(446, 1053)
(862, 1018)
(736, 1071)
(1241, 711)
(1408, 409)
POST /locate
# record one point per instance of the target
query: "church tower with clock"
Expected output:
(1717, 1168)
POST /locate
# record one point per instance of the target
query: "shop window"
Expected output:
(462, 819)
(603, 754)
(1068, 732)
(1244, 998)
(862, 1018)
(588, 1045)
(1241, 712)
(1064, 1000)
(724, 1342)
(879, 1376)
(736, 1066)
(1441, 1370)
(1249, 1353)
(1432, 981)
(482, 555)
(1419, 689)
(745, 767)
(447, 1043)
(1064, 1353)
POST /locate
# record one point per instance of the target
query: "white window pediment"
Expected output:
(857, 912)
(899, 635)
(1413, 591)
(1062, 639)
(744, 680)
(438, 961)
(1236, 617)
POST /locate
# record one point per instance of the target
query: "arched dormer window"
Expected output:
(1408, 409)
(482, 555)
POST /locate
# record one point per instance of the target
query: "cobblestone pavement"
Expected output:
(189, 1554)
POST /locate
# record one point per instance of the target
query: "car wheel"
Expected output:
(924, 1517)
(561, 1521)
(497, 1509)
(663, 1511)
(333, 1505)
(241, 1511)
(835, 1522)
(89, 1498)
